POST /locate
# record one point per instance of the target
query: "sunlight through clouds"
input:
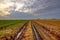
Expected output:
(4, 8)
(30, 7)
(21, 6)
(8, 5)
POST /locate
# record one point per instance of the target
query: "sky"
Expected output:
(29, 9)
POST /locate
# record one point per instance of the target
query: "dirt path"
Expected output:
(27, 34)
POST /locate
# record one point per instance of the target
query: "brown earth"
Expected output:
(28, 33)
(47, 31)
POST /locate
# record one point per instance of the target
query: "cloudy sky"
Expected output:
(29, 9)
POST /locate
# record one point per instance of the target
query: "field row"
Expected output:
(10, 28)
(51, 26)
(47, 29)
